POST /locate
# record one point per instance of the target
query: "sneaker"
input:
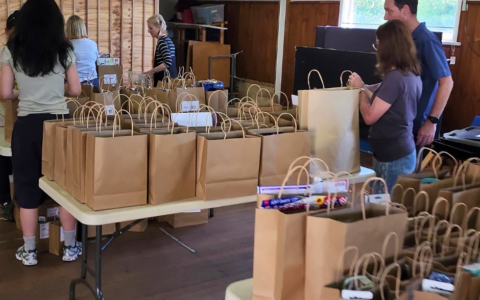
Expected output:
(28, 258)
(7, 211)
(71, 253)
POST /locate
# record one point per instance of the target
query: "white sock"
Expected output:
(29, 243)
(69, 238)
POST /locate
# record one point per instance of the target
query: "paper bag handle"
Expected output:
(385, 245)
(454, 210)
(397, 280)
(215, 92)
(248, 90)
(319, 75)
(455, 168)
(263, 113)
(293, 118)
(419, 229)
(437, 202)
(420, 154)
(117, 114)
(280, 93)
(285, 180)
(365, 259)
(340, 262)
(469, 215)
(415, 201)
(261, 94)
(185, 94)
(309, 160)
(447, 237)
(463, 168)
(473, 244)
(363, 192)
(406, 192)
(341, 77)
(230, 120)
(420, 261)
(435, 234)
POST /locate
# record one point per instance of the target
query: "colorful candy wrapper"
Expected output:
(300, 202)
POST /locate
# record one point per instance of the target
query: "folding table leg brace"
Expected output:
(97, 274)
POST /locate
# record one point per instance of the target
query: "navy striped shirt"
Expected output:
(165, 54)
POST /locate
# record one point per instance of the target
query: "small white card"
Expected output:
(190, 106)
(339, 186)
(110, 110)
(378, 199)
(437, 287)
(52, 212)
(110, 79)
(347, 295)
(192, 211)
(193, 119)
(453, 60)
(294, 100)
(44, 230)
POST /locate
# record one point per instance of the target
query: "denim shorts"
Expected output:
(391, 170)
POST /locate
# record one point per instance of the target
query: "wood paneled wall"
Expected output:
(464, 103)
(117, 26)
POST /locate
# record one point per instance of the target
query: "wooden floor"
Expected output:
(147, 265)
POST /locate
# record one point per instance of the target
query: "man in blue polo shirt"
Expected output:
(436, 76)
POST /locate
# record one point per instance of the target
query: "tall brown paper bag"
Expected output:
(113, 178)
(218, 100)
(48, 146)
(227, 165)
(171, 164)
(331, 116)
(364, 227)
(280, 147)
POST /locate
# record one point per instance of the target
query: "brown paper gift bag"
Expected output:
(48, 146)
(113, 178)
(329, 234)
(218, 100)
(227, 165)
(111, 75)
(11, 115)
(280, 147)
(171, 164)
(107, 98)
(333, 111)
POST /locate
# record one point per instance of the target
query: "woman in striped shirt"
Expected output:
(164, 52)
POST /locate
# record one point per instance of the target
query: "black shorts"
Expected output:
(27, 140)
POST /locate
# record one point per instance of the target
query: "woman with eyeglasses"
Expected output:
(390, 107)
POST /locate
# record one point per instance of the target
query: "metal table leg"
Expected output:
(97, 274)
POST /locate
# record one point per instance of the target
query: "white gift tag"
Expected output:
(453, 60)
(110, 110)
(294, 100)
(42, 219)
(437, 287)
(52, 212)
(62, 235)
(339, 186)
(110, 79)
(190, 105)
(44, 230)
(378, 199)
(193, 119)
(347, 294)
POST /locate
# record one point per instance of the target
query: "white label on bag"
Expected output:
(190, 106)
(62, 235)
(347, 294)
(52, 212)
(378, 199)
(44, 230)
(437, 287)
(193, 119)
(192, 211)
(110, 79)
(294, 100)
(10, 177)
(110, 110)
(339, 186)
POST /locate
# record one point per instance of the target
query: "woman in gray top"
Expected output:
(392, 107)
(40, 58)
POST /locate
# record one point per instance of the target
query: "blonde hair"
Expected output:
(158, 20)
(76, 28)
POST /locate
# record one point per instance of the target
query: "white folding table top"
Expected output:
(87, 216)
(5, 148)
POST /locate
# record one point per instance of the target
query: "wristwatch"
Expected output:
(433, 119)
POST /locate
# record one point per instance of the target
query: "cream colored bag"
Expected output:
(331, 116)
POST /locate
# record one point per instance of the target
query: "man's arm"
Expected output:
(426, 134)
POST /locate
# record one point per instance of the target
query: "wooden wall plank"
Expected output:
(126, 38)
(93, 26)
(138, 35)
(149, 41)
(116, 28)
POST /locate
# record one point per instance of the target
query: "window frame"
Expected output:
(454, 42)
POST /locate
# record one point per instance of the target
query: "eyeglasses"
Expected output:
(375, 45)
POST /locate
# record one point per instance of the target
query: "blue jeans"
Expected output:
(93, 82)
(391, 170)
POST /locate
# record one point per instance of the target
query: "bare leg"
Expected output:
(29, 218)
(68, 221)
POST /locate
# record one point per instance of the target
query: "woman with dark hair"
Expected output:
(40, 58)
(392, 107)
(6, 204)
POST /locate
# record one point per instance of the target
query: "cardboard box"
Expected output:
(48, 211)
(188, 218)
(11, 108)
(106, 230)
(16, 215)
(56, 238)
(43, 236)
(140, 227)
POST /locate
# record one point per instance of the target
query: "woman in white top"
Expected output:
(40, 57)
(85, 50)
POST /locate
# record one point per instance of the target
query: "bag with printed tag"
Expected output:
(197, 92)
(171, 149)
(280, 233)
(430, 182)
(333, 110)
